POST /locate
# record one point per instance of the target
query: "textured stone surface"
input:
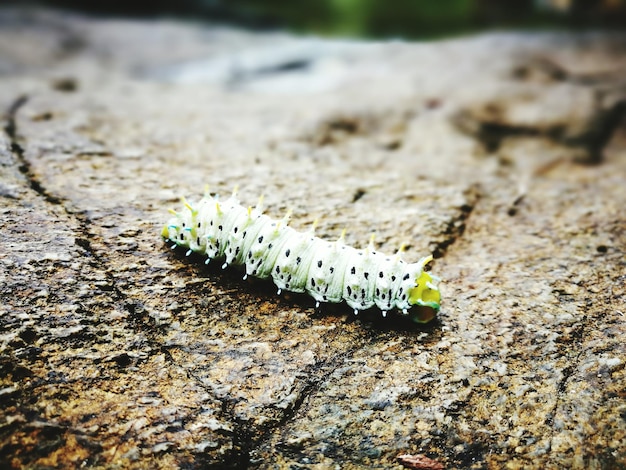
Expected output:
(503, 154)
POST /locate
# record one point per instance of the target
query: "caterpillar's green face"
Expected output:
(425, 298)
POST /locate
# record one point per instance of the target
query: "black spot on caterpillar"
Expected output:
(327, 271)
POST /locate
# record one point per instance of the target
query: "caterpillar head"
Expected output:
(425, 296)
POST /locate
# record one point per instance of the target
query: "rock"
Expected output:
(117, 351)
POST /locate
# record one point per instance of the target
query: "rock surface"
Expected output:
(503, 154)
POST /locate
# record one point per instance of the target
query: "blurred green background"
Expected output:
(408, 19)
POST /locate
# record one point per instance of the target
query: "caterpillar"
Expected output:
(301, 262)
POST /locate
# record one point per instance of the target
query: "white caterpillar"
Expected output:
(301, 262)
